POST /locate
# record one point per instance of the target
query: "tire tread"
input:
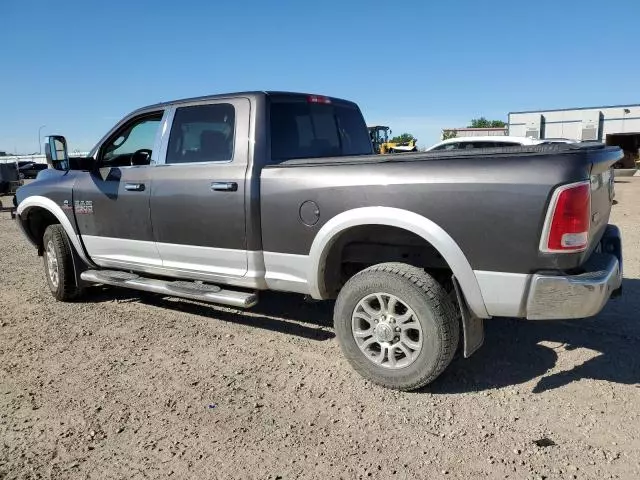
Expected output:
(444, 310)
(67, 288)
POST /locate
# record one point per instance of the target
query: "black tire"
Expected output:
(433, 309)
(55, 241)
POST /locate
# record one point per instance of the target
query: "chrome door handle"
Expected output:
(134, 187)
(224, 186)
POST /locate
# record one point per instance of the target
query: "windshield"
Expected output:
(308, 130)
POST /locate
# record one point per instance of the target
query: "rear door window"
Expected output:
(300, 129)
(202, 133)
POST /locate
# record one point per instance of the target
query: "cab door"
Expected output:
(111, 202)
(198, 195)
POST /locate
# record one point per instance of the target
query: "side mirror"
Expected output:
(55, 149)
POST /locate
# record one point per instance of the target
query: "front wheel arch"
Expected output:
(37, 203)
(34, 223)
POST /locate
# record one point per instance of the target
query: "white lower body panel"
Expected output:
(220, 261)
(504, 294)
(105, 251)
(251, 269)
(287, 272)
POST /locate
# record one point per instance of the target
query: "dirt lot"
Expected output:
(131, 386)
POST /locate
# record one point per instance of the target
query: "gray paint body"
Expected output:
(493, 204)
(489, 205)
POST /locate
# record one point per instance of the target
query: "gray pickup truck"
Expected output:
(217, 198)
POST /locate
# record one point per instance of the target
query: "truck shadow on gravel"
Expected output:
(514, 351)
(279, 312)
(517, 351)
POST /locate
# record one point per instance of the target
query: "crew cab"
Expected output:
(220, 197)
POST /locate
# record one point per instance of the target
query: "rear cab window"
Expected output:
(305, 128)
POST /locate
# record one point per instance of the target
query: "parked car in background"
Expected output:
(464, 143)
(9, 183)
(29, 169)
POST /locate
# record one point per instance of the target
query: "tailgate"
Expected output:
(602, 192)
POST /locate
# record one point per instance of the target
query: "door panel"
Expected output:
(198, 195)
(111, 203)
(117, 217)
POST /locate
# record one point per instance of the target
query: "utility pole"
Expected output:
(39, 143)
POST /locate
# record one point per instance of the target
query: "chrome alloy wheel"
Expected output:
(387, 330)
(52, 264)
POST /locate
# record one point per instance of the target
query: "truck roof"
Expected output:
(255, 93)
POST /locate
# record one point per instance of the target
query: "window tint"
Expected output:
(202, 133)
(482, 144)
(138, 135)
(507, 144)
(308, 130)
(448, 146)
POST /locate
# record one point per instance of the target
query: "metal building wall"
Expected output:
(570, 123)
(476, 132)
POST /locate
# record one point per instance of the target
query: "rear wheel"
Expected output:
(58, 264)
(396, 325)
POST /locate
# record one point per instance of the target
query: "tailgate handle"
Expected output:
(224, 186)
(134, 187)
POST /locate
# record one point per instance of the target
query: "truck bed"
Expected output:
(525, 151)
(492, 202)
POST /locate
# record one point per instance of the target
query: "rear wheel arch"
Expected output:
(429, 231)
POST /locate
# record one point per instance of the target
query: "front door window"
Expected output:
(133, 144)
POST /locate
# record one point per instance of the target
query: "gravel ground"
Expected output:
(128, 385)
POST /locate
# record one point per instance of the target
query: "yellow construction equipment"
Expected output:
(380, 138)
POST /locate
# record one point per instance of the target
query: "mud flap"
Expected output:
(78, 265)
(472, 326)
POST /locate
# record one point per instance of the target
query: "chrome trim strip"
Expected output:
(395, 217)
(162, 136)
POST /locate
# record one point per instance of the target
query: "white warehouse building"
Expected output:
(614, 125)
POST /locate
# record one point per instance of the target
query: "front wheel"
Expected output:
(58, 264)
(396, 325)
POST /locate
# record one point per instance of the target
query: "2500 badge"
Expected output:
(81, 207)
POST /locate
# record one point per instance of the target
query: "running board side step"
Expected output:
(192, 290)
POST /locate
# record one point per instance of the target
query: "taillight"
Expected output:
(318, 99)
(568, 219)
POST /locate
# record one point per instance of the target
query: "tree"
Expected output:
(484, 123)
(404, 138)
(447, 134)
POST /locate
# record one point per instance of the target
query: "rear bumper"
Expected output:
(583, 295)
